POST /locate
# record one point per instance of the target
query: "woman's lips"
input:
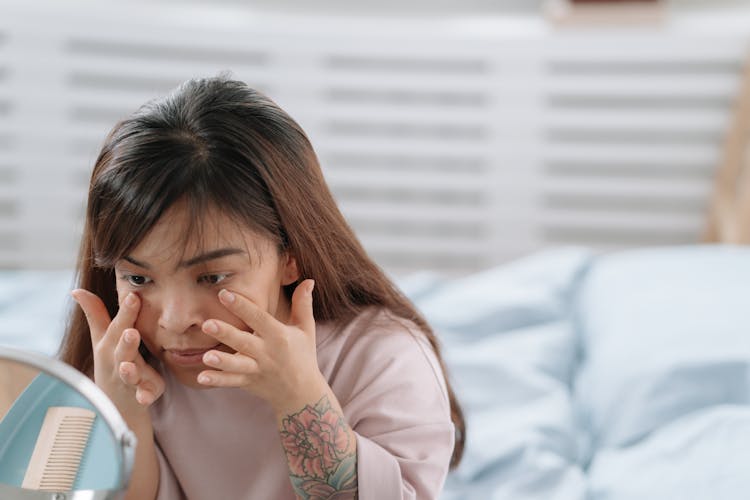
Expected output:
(187, 357)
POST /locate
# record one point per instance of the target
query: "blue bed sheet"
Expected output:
(620, 376)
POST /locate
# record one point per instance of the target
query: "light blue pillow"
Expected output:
(703, 455)
(665, 334)
(510, 348)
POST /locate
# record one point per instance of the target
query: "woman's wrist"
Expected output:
(321, 450)
(307, 394)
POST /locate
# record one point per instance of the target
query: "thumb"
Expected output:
(95, 311)
(302, 307)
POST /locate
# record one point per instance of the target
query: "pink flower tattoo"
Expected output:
(321, 453)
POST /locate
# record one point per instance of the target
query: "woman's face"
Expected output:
(179, 285)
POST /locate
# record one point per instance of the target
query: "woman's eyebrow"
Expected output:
(213, 254)
(198, 259)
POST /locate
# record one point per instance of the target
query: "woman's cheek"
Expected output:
(120, 293)
(146, 323)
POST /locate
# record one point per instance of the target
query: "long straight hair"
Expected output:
(216, 143)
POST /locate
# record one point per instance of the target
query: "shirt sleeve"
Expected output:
(398, 408)
(381, 474)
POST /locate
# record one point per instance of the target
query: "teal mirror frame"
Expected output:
(123, 437)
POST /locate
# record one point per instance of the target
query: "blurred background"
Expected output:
(454, 135)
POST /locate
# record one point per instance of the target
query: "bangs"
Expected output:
(175, 151)
(138, 195)
(130, 196)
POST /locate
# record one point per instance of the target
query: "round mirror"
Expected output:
(61, 437)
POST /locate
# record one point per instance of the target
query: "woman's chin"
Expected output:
(189, 377)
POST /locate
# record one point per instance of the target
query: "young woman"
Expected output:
(214, 256)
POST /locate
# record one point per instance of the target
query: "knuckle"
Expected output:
(284, 339)
(121, 339)
(111, 331)
(119, 349)
(247, 346)
(253, 315)
(253, 369)
(125, 312)
(98, 351)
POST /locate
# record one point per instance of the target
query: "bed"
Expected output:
(586, 372)
(583, 376)
(615, 377)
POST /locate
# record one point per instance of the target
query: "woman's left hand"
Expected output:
(277, 361)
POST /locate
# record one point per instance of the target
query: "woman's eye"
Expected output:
(136, 280)
(212, 279)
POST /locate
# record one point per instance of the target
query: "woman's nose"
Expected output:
(179, 313)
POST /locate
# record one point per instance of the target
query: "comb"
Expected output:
(59, 448)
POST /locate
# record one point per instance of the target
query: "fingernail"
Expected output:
(130, 300)
(210, 327)
(204, 379)
(129, 336)
(211, 358)
(226, 296)
(310, 287)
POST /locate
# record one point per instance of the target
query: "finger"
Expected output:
(240, 341)
(253, 316)
(95, 311)
(302, 307)
(148, 389)
(145, 394)
(238, 363)
(151, 381)
(125, 317)
(214, 378)
(128, 373)
(127, 346)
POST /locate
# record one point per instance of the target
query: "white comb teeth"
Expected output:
(59, 448)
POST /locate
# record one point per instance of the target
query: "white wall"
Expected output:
(426, 8)
(451, 143)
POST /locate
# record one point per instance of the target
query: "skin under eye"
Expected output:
(213, 279)
(136, 279)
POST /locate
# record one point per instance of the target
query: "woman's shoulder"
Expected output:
(380, 329)
(378, 348)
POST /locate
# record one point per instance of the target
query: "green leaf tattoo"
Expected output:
(321, 453)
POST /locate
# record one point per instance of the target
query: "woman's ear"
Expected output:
(289, 272)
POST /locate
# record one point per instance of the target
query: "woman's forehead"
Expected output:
(179, 235)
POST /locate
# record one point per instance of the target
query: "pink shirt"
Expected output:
(224, 444)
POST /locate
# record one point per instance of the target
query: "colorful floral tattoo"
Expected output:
(321, 453)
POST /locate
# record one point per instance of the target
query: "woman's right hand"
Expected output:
(119, 369)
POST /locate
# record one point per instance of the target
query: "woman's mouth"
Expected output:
(188, 357)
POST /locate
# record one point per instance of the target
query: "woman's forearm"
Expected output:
(144, 479)
(321, 451)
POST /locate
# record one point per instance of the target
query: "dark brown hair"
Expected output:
(215, 143)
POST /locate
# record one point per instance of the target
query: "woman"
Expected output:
(208, 225)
